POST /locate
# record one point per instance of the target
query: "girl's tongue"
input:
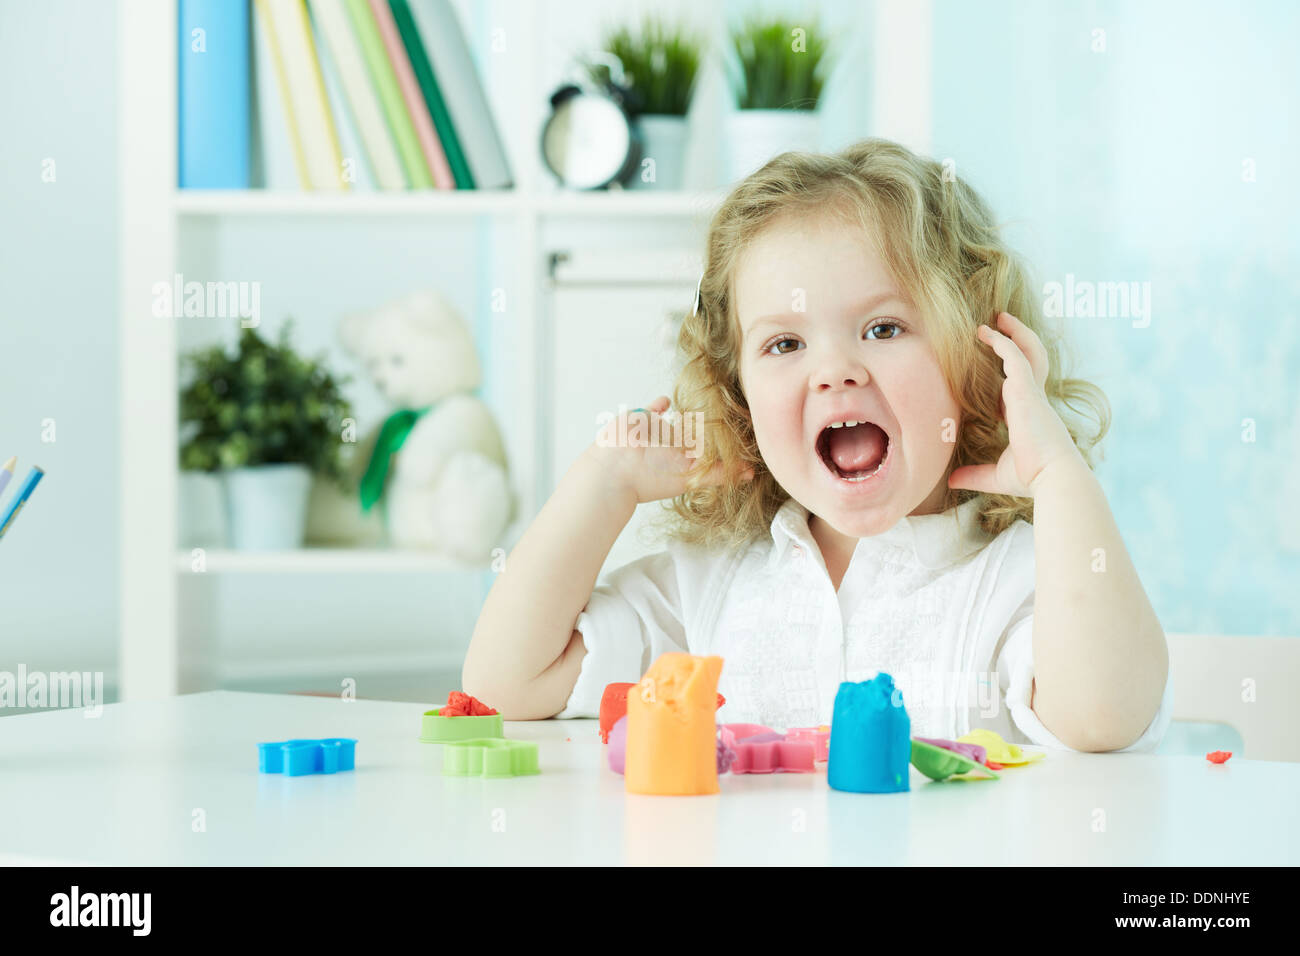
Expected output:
(859, 448)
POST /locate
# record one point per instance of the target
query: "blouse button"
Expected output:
(798, 551)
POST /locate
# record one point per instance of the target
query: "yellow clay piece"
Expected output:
(998, 750)
(671, 729)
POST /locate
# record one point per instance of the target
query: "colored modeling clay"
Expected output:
(618, 747)
(463, 705)
(618, 744)
(1218, 756)
(768, 752)
(871, 746)
(726, 749)
(613, 705)
(973, 751)
(819, 737)
(293, 758)
(998, 750)
(939, 763)
(438, 729)
(489, 757)
(671, 734)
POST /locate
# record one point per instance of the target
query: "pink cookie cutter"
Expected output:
(820, 739)
(761, 749)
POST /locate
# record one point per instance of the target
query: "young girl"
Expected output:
(880, 426)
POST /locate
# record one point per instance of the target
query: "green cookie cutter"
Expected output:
(440, 730)
(489, 757)
(939, 764)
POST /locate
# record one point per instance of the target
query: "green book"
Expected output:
(432, 95)
(381, 71)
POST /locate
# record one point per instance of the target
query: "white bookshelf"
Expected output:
(157, 656)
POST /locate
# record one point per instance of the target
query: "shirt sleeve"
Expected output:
(631, 619)
(1015, 669)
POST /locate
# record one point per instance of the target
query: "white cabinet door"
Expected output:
(613, 322)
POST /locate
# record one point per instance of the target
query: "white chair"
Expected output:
(1214, 680)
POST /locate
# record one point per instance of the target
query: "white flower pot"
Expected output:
(202, 510)
(266, 506)
(663, 139)
(755, 136)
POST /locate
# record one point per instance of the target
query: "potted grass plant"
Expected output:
(660, 65)
(264, 420)
(778, 69)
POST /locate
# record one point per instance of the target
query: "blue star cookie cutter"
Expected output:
(294, 758)
(489, 757)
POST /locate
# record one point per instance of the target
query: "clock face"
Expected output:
(586, 143)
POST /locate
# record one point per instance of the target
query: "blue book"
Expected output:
(213, 97)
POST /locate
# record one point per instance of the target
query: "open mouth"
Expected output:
(853, 451)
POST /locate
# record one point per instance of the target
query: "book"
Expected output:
(345, 67)
(432, 97)
(390, 97)
(310, 123)
(463, 92)
(213, 95)
(354, 167)
(275, 159)
(411, 96)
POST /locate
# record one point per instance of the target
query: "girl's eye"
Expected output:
(780, 351)
(895, 331)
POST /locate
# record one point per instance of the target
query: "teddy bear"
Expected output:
(436, 468)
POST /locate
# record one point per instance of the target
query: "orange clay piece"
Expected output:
(613, 705)
(672, 744)
(1218, 756)
(463, 705)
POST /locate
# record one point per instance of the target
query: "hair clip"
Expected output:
(695, 310)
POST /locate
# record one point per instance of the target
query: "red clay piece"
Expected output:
(463, 705)
(1218, 756)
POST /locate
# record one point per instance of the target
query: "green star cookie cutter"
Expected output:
(440, 730)
(489, 757)
(940, 764)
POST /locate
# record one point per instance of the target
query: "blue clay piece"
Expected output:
(871, 742)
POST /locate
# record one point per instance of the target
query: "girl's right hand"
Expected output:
(651, 472)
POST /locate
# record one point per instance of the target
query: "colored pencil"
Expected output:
(7, 472)
(24, 492)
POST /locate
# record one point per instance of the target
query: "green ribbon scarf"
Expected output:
(392, 434)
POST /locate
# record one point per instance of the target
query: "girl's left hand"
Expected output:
(1037, 436)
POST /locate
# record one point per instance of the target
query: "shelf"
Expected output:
(323, 561)
(249, 202)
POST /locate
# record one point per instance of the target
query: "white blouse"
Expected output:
(941, 605)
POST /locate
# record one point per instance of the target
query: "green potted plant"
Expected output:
(660, 67)
(780, 66)
(265, 420)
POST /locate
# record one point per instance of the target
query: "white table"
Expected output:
(124, 788)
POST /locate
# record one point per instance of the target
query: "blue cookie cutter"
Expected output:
(294, 758)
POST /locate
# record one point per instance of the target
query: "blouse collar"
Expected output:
(935, 540)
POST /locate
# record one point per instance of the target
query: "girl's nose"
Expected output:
(839, 372)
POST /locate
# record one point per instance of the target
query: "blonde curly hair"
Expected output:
(941, 243)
